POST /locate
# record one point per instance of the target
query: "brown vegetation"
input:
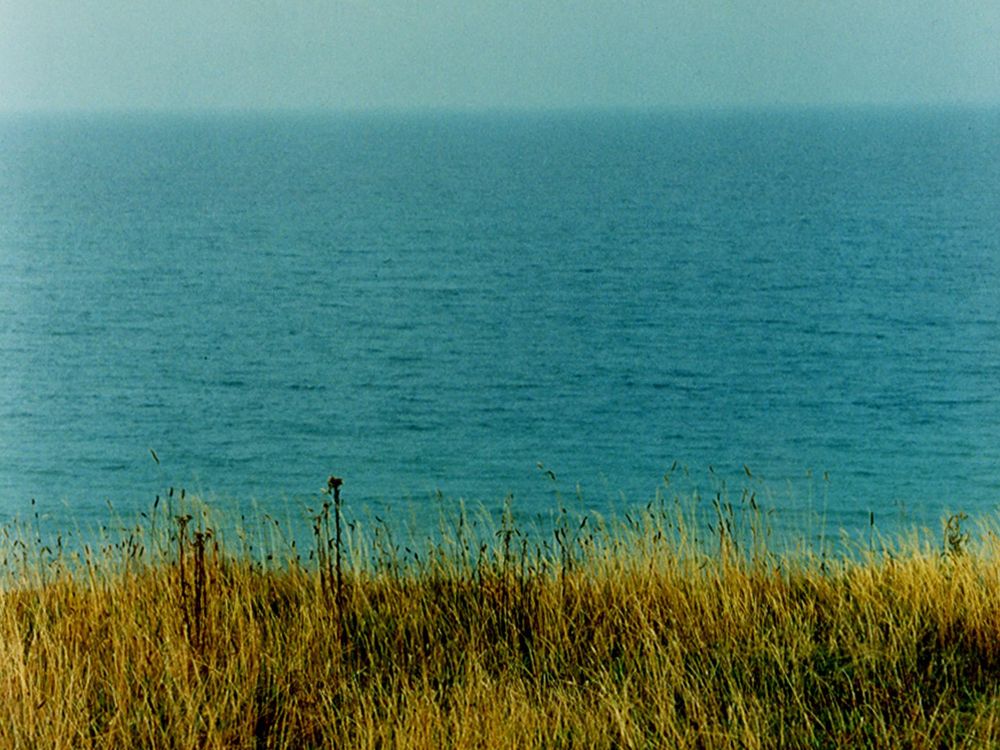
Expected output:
(631, 636)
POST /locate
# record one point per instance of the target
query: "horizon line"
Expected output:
(503, 109)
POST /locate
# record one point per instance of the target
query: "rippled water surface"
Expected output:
(441, 302)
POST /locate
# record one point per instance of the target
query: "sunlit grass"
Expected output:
(643, 633)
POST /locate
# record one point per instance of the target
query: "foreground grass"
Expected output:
(632, 636)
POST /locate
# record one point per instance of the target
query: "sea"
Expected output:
(532, 310)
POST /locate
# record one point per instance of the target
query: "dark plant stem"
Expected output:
(182, 522)
(200, 587)
(340, 575)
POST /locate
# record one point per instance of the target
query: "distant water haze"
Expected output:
(479, 54)
(424, 303)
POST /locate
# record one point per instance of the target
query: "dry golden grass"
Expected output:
(625, 637)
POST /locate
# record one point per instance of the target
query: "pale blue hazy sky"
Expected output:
(350, 54)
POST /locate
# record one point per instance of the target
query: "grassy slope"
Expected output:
(630, 638)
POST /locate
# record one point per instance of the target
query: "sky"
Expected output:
(101, 55)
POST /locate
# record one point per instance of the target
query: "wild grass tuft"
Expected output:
(629, 634)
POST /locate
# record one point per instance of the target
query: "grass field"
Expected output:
(634, 634)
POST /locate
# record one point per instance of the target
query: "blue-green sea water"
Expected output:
(440, 302)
